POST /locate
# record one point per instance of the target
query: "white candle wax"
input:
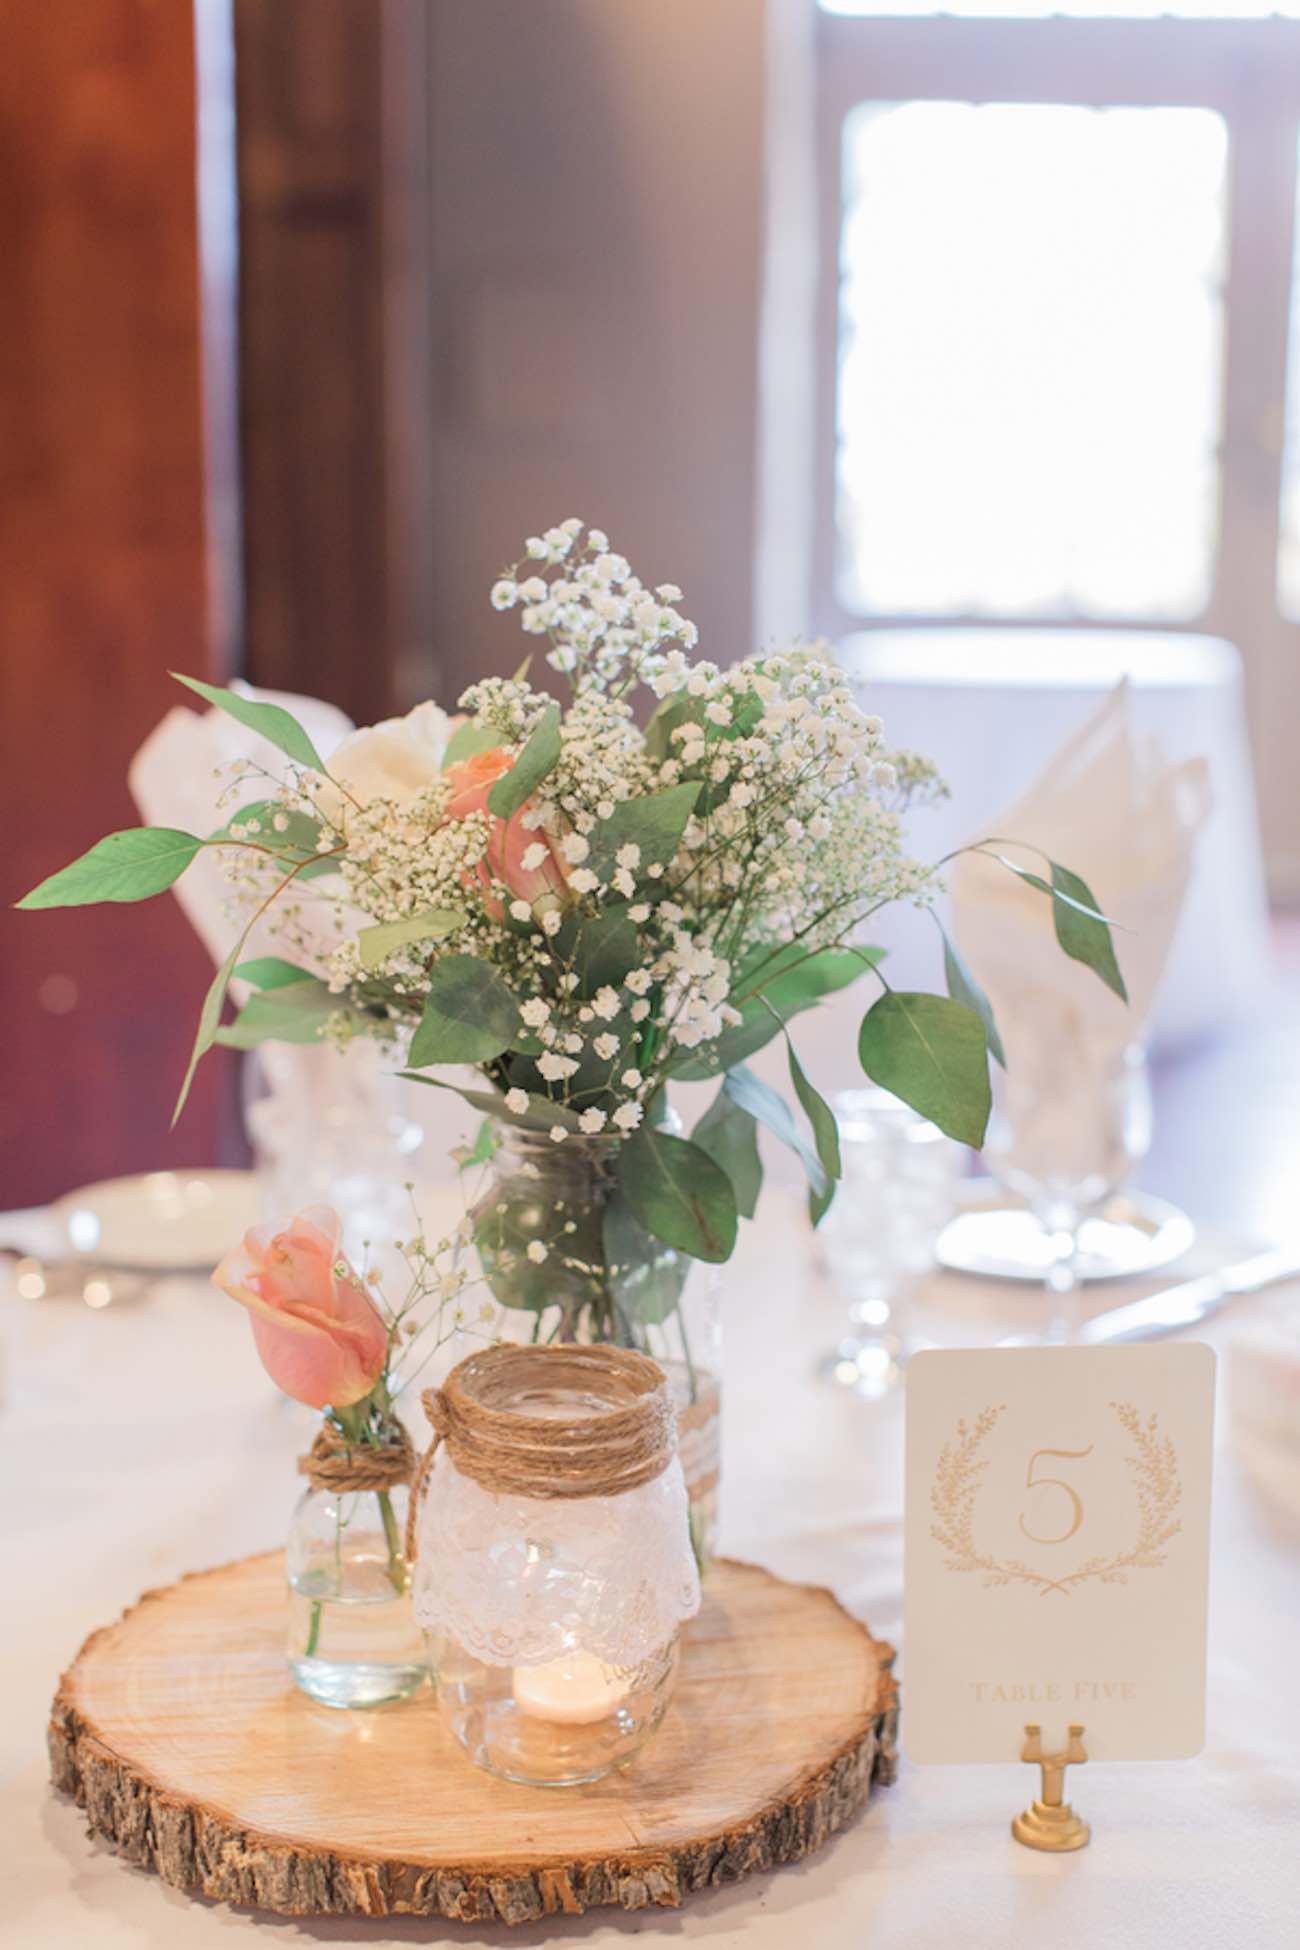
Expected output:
(576, 1690)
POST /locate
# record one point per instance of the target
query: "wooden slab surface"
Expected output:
(180, 1733)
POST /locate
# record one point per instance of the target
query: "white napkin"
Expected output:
(1115, 811)
(174, 781)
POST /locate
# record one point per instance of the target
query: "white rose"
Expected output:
(396, 759)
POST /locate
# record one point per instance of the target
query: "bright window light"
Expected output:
(1030, 380)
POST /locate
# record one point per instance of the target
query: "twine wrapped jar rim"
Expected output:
(619, 1433)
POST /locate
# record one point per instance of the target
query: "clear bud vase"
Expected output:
(568, 1260)
(353, 1640)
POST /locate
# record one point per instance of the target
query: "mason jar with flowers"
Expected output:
(589, 902)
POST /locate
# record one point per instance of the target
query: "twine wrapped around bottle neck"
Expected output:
(620, 1432)
(334, 1463)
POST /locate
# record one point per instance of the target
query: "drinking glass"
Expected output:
(1067, 1129)
(876, 1243)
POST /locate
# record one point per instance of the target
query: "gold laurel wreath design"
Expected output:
(1157, 1487)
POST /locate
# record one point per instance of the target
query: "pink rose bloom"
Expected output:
(471, 780)
(319, 1334)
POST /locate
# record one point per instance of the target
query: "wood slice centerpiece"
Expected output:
(179, 1732)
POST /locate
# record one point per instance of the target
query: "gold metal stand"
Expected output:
(1050, 1822)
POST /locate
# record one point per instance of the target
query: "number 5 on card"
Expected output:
(1057, 1542)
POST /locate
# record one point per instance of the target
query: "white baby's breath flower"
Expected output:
(552, 922)
(583, 881)
(505, 594)
(558, 1134)
(628, 1116)
(625, 881)
(520, 911)
(631, 1079)
(536, 1011)
(628, 856)
(555, 1068)
(517, 1101)
(639, 1011)
(638, 981)
(536, 1251)
(606, 1047)
(592, 1121)
(605, 1002)
(533, 856)
(575, 847)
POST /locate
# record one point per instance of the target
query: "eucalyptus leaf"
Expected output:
(294, 1012)
(678, 1193)
(600, 949)
(467, 741)
(126, 866)
(645, 1276)
(655, 823)
(770, 1108)
(728, 1133)
(678, 709)
(293, 843)
(270, 721)
(270, 972)
(932, 1053)
(469, 1015)
(541, 1114)
(1082, 935)
(374, 945)
(539, 757)
(209, 1019)
(825, 1130)
(963, 988)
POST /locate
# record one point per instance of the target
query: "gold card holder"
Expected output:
(1050, 1822)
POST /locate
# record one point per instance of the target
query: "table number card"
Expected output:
(1057, 1544)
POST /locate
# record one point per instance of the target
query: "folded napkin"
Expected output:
(1115, 811)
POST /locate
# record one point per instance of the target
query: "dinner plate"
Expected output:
(1133, 1233)
(159, 1221)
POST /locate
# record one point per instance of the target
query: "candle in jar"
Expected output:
(576, 1690)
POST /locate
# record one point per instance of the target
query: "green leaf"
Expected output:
(646, 1277)
(1081, 932)
(297, 842)
(729, 1135)
(467, 740)
(963, 988)
(540, 1115)
(127, 866)
(825, 1130)
(376, 944)
(269, 721)
(932, 1053)
(784, 985)
(270, 972)
(655, 823)
(677, 1193)
(209, 1019)
(770, 1108)
(290, 1012)
(601, 949)
(678, 709)
(536, 761)
(469, 1015)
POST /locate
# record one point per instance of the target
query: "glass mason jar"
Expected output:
(353, 1639)
(602, 1279)
(553, 1615)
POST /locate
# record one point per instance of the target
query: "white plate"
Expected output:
(1133, 1233)
(160, 1221)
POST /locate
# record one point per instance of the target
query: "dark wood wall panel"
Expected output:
(103, 581)
(318, 612)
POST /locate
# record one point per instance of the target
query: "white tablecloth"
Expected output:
(144, 1441)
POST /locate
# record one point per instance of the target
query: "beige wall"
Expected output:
(596, 210)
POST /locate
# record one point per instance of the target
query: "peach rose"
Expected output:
(471, 780)
(319, 1334)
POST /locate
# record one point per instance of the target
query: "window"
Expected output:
(1057, 291)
